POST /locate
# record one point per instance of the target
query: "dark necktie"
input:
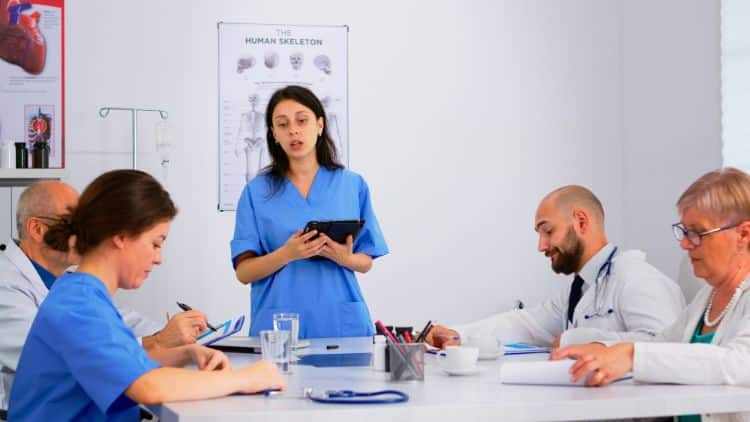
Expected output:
(576, 291)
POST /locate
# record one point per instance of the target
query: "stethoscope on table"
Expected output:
(357, 397)
(352, 397)
(602, 276)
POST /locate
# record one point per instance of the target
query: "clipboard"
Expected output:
(244, 344)
(228, 328)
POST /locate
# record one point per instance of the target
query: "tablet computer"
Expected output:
(337, 230)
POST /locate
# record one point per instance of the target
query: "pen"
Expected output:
(449, 337)
(423, 334)
(187, 308)
(407, 337)
(405, 356)
(167, 317)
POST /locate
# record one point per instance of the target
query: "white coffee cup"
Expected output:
(487, 345)
(458, 358)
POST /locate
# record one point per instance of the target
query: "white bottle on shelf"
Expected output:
(7, 155)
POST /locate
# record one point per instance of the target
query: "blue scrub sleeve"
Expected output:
(246, 236)
(370, 240)
(98, 348)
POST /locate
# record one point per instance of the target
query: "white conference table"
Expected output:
(442, 397)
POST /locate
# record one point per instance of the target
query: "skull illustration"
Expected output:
(271, 59)
(296, 60)
(244, 63)
(323, 63)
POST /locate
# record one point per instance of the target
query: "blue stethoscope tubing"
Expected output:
(360, 397)
(606, 268)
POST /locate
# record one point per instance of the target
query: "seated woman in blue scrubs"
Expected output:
(304, 182)
(80, 360)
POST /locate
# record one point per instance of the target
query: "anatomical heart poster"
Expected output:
(255, 60)
(32, 78)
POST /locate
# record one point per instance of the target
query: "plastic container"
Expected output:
(22, 155)
(378, 353)
(7, 155)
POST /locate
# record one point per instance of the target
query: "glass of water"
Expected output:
(274, 346)
(287, 321)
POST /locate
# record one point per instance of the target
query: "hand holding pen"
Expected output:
(185, 307)
(440, 336)
(181, 329)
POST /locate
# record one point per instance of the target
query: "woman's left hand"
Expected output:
(601, 364)
(208, 359)
(336, 252)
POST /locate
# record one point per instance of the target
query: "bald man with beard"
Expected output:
(614, 295)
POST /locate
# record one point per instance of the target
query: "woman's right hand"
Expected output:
(260, 376)
(300, 245)
(440, 336)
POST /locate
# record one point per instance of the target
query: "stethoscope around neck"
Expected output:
(602, 277)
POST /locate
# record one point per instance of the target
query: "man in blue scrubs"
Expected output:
(28, 269)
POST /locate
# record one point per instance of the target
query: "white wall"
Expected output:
(463, 115)
(672, 117)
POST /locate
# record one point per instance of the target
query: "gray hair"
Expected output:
(723, 194)
(36, 200)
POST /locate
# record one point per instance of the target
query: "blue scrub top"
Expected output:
(79, 358)
(325, 294)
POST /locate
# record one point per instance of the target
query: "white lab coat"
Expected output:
(21, 293)
(668, 358)
(644, 302)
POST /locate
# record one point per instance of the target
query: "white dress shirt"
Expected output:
(669, 358)
(643, 302)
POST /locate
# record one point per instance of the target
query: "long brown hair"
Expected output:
(325, 149)
(119, 201)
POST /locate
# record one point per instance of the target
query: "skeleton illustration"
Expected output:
(296, 60)
(334, 131)
(271, 59)
(323, 63)
(251, 139)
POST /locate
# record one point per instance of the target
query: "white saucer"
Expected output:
(491, 356)
(462, 372)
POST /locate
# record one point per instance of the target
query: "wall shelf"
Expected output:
(22, 177)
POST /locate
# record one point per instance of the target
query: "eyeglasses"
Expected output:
(680, 232)
(54, 220)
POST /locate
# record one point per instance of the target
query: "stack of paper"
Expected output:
(548, 372)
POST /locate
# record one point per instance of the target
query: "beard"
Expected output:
(569, 254)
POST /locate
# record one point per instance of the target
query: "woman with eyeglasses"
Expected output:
(710, 342)
(291, 271)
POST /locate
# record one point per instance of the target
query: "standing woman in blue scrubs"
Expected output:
(294, 272)
(80, 361)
